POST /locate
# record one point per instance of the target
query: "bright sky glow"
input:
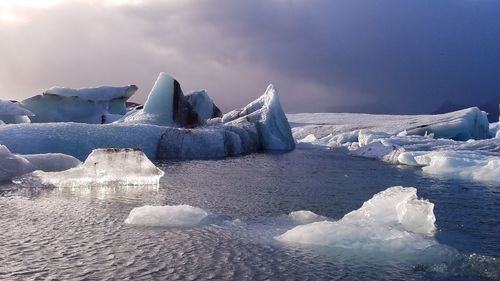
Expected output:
(11, 10)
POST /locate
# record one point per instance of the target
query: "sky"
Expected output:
(374, 56)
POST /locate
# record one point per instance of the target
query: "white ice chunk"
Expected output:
(103, 167)
(170, 216)
(13, 113)
(12, 165)
(378, 150)
(468, 165)
(52, 162)
(366, 137)
(270, 120)
(10, 108)
(392, 219)
(494, 128)
(305, 216)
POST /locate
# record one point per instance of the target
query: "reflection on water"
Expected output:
(79, 233)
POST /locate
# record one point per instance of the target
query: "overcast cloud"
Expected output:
(372, 56)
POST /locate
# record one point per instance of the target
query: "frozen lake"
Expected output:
(80, 233)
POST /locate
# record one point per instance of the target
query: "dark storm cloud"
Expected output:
(374, 56)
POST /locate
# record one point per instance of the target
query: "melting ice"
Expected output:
(394, 219)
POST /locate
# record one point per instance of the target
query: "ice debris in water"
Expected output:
(170, 216)
(103, 167)
(305, 216)
(468, 165)
(392, 219)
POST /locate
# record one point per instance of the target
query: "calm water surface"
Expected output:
(79, 234)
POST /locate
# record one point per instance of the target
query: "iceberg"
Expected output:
(13, 165)
(392, 219)
(169, 216)
(86, 105)
(13, 113)
(165, 106)
(203, 105)
(103, 167)
(269, 119)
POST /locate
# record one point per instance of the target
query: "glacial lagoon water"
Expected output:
(80, 234)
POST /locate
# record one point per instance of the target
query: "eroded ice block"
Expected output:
(269, 119)
(103, 167)
(392, 219)
(170, 216)
(13, 113)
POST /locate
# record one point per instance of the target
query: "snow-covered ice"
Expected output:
(13, 113)
(103, 167)
(392, 219)
(470, 123)
(270, 120)
(87, 105)
(169, 216)
(392, 140)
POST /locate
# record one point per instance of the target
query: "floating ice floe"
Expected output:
(392, 219)
(86, 105)
(468, 165)
(165, 106)
(269, 119)
(169, 216)
(13, 113)
(103, 167)
(13, 165)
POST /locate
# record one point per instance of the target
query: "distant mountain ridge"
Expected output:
(492, 107)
